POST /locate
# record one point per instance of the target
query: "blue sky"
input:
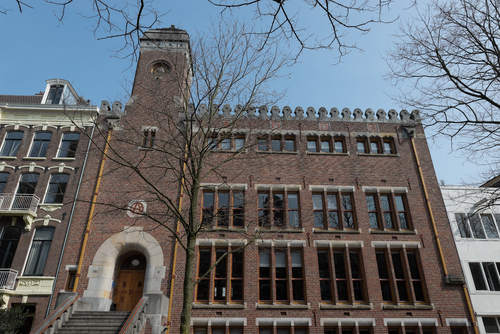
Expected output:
(36, 47)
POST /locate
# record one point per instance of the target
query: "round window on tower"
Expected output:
(160, 68)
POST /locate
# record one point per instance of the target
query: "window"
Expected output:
(491, 324)
(278, 209)
(400, 276)
(224, 284)
(27, 184)
(148, 137)
(375, 145)
(218, 330)
(9, 238)
(459, 330)
(388, 211)
(40, 144)
(3, 181)
(326, 144)
(413, 329)
(283, 330)
(341, 276)
(228, 142)
(277, 143)
(11, 143)
(69, 143)
(56, 188)
(288, 273)
(55, 94)
(348, 329)
(485, 275)
(70, 281)
(478, 226)
(39, 251)
(333, 210)
(226, 206)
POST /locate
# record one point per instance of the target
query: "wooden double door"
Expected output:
(129, 285)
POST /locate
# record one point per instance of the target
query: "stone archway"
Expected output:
(97, 295)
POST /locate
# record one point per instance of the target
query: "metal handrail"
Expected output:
(61, 315)
(8, 278)
(18, 202)
(136, 319)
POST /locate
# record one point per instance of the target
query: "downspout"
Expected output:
(68, 227)
(436, 234)
(171, 295)
(91, 213)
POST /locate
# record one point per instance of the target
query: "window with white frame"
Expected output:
(55, 94)
(69, 144)
(41, 141)
(409, 329)
(491, 324)
(11, 143)
(39, 251)
(4, 176)
(485, 275)
(478, 225)
(215, 329)
(56, 188)
(283, 330)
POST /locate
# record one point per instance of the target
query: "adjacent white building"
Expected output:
(474, 215)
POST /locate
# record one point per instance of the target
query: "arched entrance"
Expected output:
(129, 282)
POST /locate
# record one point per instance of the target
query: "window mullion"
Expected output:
(229, 273)
(285, 209)
(409, 279)
(350, 287)
(211, 275)
(340, 210)
(356, 328)
(378, 207)
(273, 273)
(334, 277)
(485, 277)
(324, 198)
(395, 216)
(289, 277)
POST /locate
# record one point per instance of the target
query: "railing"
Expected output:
(137, 318)
(59, 317)
(18, 202)
(7, 278)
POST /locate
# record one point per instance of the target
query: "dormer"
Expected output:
(59, 91)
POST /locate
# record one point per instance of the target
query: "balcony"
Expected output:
(19, 205)
(7, 278)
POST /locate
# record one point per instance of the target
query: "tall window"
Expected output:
(388, 211)
(401, 278)
(491, 324)
(218, 329)
(224, 284)
(41, 142)
(11, 143)
(39, 251)
(333, 211)
(341, 276)
(56, 188)
(326, 144)
(69, 143)
(283, 330)
(148, 139)
(3, 181)
(278, 209)
(9, 238)
(411, 329)
(55, 94)
(224, 207)
(27, 183)
(348, 329)
(478, 226)
(281, 275)
(485, 275)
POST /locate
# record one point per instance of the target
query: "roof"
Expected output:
(493, 182)
(21, 99)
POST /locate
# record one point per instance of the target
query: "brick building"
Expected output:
(330, 221)
(42, 158)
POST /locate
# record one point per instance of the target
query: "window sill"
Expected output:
(283, 306)
(378, 155)
(323, 306)
(218, 306)
(328, 153)
(279, 230)
(278, 152)
(226, 229)
(228, 151)
(407, 306)
(332, 231)
(63, 159)
(8, 157)
(34, 158)
(403, 232)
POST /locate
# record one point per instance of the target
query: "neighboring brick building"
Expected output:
(42, 157)
(341, 211)
(475, 221)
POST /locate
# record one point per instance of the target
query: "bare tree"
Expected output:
(180, 148)
(451, 56)
(336, 19)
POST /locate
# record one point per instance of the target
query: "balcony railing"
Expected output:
(13, 203)
(7, 278)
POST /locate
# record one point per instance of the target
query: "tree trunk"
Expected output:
(188, 288)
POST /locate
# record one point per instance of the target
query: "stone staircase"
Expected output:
(94, 322)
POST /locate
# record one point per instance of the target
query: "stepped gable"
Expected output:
(286, 113)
